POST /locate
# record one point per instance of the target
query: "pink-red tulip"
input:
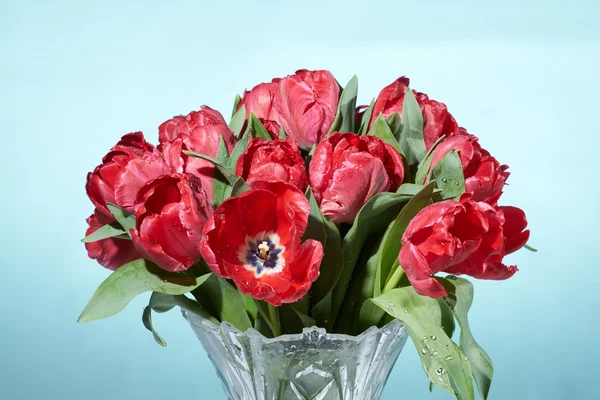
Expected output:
(170, 215)
(346, 170)
(306, 104)
(460, 237)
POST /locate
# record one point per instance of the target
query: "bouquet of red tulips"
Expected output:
(307, 210)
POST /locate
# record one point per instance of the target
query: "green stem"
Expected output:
(393, 280)
(274, 317)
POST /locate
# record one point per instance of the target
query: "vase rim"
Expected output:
(205, 323)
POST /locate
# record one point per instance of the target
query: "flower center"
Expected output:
(263, 254)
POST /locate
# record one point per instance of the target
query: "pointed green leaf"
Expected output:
(411, 135)
(258, 129)
(236, 102)
(237, 121)
(395, 124)
(460, 300)
(448, 175)
(124, 218)
(227, 172)
(282, 134)
(107, 231)
(316, 227)
(239, 149)
(425, 164)
(366, 119)
(236, 189)
(381, 130)
(443, 361)
(345, 118)
(132, 279)
(187, 304)
(220, 182)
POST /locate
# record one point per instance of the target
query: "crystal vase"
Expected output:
(310, 365)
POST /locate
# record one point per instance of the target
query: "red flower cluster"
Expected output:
(255, 238)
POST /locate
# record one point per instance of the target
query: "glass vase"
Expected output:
(310, 365)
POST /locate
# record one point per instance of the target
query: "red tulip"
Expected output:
(346, 170)
(124, 170)
(111, 253)
(259, 100)
(459, 237)
(437, 121)
(254, 239)
(484, 176)
(200, 132)
(272, 161)
(271, 127)
(306, 104)
(170, 214)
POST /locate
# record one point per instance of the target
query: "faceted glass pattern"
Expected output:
(310, 365)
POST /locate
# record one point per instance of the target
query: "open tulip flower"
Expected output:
(305, 209)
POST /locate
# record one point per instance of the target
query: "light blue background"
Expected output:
(75, 76)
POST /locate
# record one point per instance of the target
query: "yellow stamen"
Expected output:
(263, 248)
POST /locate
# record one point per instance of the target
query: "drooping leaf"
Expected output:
(162, 302)
(373, 217)
(224, 169)
(448, 175)
(224, 302)
(345, 118)
(132, 279)
(528, 247)
(236, 102)
(443, 361)
(105, 232)
(237, 121)
(147, 321)
(460, 300)
(411, 135)
(366, 119)
(124, 218)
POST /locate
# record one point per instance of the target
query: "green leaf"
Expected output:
(443, 361)
(528, 247)
(220, 182)
(395, 124)
(132, 279)
(411, 135)
(425, 164)
(258, 129)
(239, 149)
(448, 175)
(162, 302)
(227, 172)
(147, 321)
(107, 231)
(282, 134)
(373, 217)
(381, 130)
(222, 300)
(393, 238)
(447, 318)
(187, 304)
(316, 226)
(460, 300)
(237, 121)
(307, 321)
(345, 118)
(124, 218)
(321, 312)
(366, 119)
(236, 102)
(236, 189)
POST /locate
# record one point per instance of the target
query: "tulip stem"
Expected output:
(274, 317)
(393, 280)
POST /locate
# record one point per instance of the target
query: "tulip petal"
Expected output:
(418, 273)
